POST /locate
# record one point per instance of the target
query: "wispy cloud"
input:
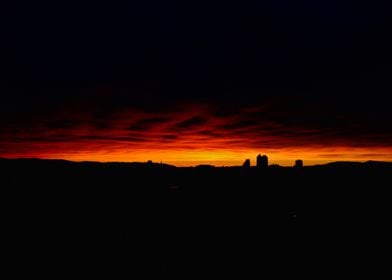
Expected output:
(197, 127)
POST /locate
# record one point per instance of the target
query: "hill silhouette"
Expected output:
(128, 205)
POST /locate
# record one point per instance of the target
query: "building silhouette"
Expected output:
(299, 163)
(246, 163)
(262, 161)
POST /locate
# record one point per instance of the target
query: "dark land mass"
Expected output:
(76, 206)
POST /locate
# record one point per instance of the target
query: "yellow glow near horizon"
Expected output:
(220, 157)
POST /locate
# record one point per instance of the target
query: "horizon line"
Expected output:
(179, 166)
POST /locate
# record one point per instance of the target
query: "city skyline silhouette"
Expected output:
(192, 135)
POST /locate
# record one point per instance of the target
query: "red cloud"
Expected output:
(190, 131)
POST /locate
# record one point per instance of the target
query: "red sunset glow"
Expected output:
(197, 83)
(190, 135)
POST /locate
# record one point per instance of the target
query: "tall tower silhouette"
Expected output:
(262, 161)
(299, 163)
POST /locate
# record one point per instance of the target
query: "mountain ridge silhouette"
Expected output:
(156, 164)
(79, 204)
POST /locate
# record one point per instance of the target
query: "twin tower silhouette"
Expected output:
(262, 162)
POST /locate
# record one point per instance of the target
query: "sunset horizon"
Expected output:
(221, 158)
(188, 135)
(197, 84)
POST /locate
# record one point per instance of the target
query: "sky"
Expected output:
(196, 82)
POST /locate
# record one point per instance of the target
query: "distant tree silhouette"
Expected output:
(262, 161)
(246, 163)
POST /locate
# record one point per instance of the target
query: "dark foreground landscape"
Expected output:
(61, 205)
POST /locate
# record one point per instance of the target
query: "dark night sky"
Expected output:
(195, 75)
